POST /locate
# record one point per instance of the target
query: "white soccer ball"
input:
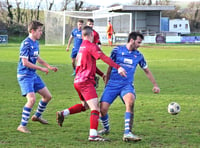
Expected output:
(174, 108)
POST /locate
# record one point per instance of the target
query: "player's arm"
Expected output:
(33, 66)
(108, 74)
(150, 76)
(69, 42)
(100, 73)
(111, 63)
(42, 62)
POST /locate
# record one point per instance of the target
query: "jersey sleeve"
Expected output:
(113, 54)
(24, 50)
(96, 51)
(143, 63)
(73, 33)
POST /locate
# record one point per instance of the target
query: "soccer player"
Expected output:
(76, 34)
(110, 32)
(28, 79)
(128, 56)
(84, 82)
(96, 40)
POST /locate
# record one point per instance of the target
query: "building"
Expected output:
(146, 19)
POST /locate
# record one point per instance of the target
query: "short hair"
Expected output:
(86, 31)
(34, 25)
(90, 20)
(134, 35)
(81, 21)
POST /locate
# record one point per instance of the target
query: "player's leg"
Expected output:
(89, 94)
(40, 87)
(73, 56)
(110, 93)
(46, 97)
(26, 112)
(110, 40)
(94, 120)
(74, 66)
(26, 84)
(96, 82)
(129, 100)
(77, 108)
(104, 106)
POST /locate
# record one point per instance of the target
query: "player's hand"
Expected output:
(67, 49)
(46, 70)
(156, 89)
(54, 69)
(122, 71)
(104, 78)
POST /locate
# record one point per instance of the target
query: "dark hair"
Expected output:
(81, 21)
(34, 25)
(87, 30)
(90, 20)
(134, 35)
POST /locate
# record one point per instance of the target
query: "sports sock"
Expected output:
(94, 120)
(105, 122)
(41, 107)
(128, 122)
(25, 115)
(76, 109)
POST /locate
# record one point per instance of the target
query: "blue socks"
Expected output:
(105, 122)
(128, 122)
(25, 116)
(41, 107)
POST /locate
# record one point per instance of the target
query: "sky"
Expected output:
(110, 2)
(58, 3)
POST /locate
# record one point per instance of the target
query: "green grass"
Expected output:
(176, 69)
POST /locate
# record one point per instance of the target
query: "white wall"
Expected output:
(180, 26)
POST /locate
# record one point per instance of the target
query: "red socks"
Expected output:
(94, 119)
(76, 108)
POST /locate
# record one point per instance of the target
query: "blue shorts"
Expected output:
(111, 92)
(31, 83)
(74, 52)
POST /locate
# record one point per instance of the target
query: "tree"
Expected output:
(10, 14)
(18, 11)
(66, 2)
(78, 5)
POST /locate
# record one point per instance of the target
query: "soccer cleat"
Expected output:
(23, 129)
(41, 120)
(60, 118)
(74, 73)
(103, 132)
(97, 138)
(96, 82)
(131, 137)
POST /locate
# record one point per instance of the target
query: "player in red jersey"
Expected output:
(96, 40)
(84, 82)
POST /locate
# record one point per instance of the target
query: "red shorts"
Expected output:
(86, 90)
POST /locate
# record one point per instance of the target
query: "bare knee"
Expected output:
(104, 108)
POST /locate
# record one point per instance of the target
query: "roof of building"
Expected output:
(128, 8)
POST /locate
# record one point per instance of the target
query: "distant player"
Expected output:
(84, 82)
(90, 22)
(110, 32)
(128, 57)
(28, 79)
(76, 34)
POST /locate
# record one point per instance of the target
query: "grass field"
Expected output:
(176, 69)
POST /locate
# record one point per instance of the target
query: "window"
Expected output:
(175, 25)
